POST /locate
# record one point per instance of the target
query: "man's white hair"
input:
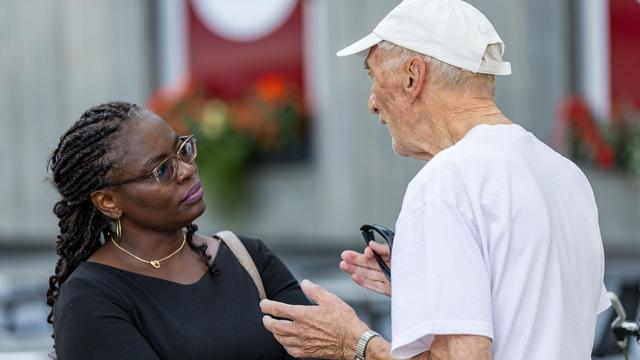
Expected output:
(449, 76)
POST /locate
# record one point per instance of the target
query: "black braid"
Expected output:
(213, 269)
(80, 165)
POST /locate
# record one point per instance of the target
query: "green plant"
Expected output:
(614, 144)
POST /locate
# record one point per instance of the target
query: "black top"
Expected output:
(106, 313)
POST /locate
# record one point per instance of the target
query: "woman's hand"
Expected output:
(364, 269)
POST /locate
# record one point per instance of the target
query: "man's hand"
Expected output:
(329, 330)
(364, 269)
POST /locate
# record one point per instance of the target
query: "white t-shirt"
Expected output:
(498, 236)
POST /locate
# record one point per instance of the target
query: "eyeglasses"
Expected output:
(368, 233)
(166, 171)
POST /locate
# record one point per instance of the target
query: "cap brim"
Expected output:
(360, 47)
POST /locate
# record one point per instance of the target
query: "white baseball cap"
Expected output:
(451, 31)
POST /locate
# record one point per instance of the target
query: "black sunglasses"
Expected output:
(368, 233)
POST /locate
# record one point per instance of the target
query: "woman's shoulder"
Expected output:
(260, 253)
(87, 284)
(86, 273)
(91, 279)
(255, 247)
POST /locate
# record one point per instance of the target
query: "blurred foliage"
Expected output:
(612, 144)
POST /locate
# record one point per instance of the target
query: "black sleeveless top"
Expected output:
(106, 313)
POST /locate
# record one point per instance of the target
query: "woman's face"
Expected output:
(148, 140)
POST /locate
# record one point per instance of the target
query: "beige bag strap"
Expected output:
(240, 251)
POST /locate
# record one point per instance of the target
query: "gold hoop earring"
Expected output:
(118, 229)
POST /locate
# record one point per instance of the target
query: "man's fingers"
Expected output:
(366, 273)
(284, 331)
(295, 351)
(359, 274)
(293, 344)
(288, 341)
(350, 256)
(279, 309)
(378, 286)
(348, 267)
(315, 292)
(369, 254)
(279, 327)
(380, 249)
(354, 258)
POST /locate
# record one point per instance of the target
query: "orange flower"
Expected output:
(271, 87)
(164, 99)
(165, 102)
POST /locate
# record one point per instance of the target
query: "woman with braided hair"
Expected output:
(125, 286)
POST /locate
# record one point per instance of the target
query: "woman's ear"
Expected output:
(106, 203)
(416, 75)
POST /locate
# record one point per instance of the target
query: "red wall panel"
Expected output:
(227, 68)
(625, 50)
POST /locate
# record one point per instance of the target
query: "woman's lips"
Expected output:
(194, 194)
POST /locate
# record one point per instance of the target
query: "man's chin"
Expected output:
(398, 149)
(404, 152)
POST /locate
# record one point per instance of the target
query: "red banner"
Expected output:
(227, 67)
(625, 50)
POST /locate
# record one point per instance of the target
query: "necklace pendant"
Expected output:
(155, 264)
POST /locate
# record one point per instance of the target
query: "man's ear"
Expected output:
(106, 203)
(416, 77)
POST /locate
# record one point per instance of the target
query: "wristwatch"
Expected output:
(362, 343)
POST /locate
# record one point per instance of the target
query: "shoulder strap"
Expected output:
(240, 251)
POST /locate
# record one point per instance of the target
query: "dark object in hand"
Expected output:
(368, 233)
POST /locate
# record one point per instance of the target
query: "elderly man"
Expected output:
(498, 252)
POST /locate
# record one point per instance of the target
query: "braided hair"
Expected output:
(79, 166)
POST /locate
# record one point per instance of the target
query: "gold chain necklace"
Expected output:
(154, 263)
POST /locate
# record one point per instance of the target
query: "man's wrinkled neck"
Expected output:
(453, 114)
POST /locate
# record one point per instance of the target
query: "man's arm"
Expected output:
(459, 347)
(331, 330)
(380, 349)
(444, 347)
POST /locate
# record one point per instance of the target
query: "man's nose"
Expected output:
(372, 104)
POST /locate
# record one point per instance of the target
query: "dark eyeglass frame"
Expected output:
(152, 173)
(368, 231)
